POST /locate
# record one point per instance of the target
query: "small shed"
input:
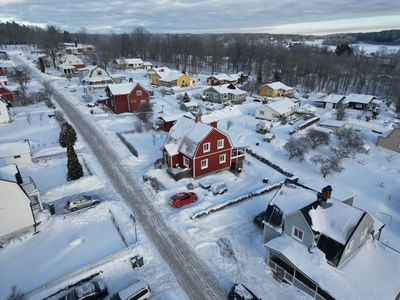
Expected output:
(334, 125)
(269, 137)
(189, 106)
(365, 149)
(263, 127)
(18, 153)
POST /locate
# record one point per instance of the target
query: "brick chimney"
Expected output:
(325, 193)
(198, 118)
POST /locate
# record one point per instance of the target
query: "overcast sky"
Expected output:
(207, 16)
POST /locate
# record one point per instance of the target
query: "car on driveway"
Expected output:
(88, 291)
(139, 290)
(183, 198)
(83, 202)
(240, 292)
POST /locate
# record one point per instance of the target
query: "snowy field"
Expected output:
(227, 241)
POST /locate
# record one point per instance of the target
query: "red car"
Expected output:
(182, 199)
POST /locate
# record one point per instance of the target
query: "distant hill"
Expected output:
(391, 37)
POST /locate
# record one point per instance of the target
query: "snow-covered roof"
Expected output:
(209, 118)
(8, 172)
(129, 61)
(181, 127)
(122, 88)
(333, 123)
(335, 219)
(279, 85)
(147, 63)
(174, 117)
(291, 198)
(227, 89)
(372, 256)
(14, 148)
(160, 70)
(170, 76)
(332, 98)
(322, 129)
(281, 106)
(172, 149)
(359, 98)
(3, 79)
(223, 76)
(96, 79)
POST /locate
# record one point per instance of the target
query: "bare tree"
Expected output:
(83, 35)
(341, 152)
(29, 118)
(154, 137)
(390, 156)
(22, 75)
(350, 138)
(341, 113)
(296, 148)
(52, 42)
(316, 138)
(138, 126)
(145, 112)
(328, 166)
(16, 294)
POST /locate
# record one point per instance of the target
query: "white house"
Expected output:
(274, 111)
(16, 215)
(128, 63)
(94, 76)
(69, 63)
(18, 153)
(4, 116)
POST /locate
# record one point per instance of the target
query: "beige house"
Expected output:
(391, 140)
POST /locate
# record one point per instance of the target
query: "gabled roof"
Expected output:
(333, 123)
(281, 106)
(226, 89)
(170, 76)
(332, 98)
(122, 88)
(359, 98)
(278, 85)
(129, 61)
(189, 142)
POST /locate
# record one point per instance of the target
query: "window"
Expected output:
(359, 106)
(298, 234)
(17, 156)
(349, 247)
(261, 112)
(270, 92)
(222, 158)
(364, 233)
(206, 147)
(70, 61)
(133, 101)
(207, 95)
(234, 153)
(398, 146)
(142, 101)
(225, 96)
(186, 162)
(99, 73)
(215, 96)
(220, 144)
(139, 93)
(204, 164)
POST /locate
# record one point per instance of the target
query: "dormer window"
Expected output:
(99, 73)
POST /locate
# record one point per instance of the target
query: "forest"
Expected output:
(265, 57)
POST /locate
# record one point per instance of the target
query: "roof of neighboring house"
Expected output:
(182, 126)
(122, 88)
(227, 89)
(226, 77)
(129, 61)
(91, 70)
(170, 76)
(174, 117)
(371, 256)
(65, 57)
(332, 98)
(359, 98)
(147, 63)
(161, 69)
(3, 79)
(333, 123)
(209, 118)
(190, 140)
(387, 133)
(14, 148)
(7, 172)
(278, 85)
(280, 106)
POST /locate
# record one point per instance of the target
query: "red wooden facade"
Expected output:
(129, 100)
(6, 94)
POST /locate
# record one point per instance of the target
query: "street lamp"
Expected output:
(132, 217)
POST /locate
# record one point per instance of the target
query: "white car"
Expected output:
(139, 290)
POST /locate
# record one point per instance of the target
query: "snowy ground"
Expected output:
(227, 241)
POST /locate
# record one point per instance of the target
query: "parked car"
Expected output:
(88, 291)
(182, 199)
(218, 188)
(206, 183)
(240, 292)
(139, 290)
(83, 202)
(259, 219)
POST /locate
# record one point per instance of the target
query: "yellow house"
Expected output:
(275, 89)
(172, 78)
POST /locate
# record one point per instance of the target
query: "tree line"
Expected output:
(267, 57)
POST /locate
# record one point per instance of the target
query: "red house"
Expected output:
(6, 94)
(195, 149)
(126, 97)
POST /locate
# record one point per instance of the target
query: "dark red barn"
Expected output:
(126, 97)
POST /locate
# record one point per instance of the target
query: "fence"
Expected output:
(118, 229)
(284, 275)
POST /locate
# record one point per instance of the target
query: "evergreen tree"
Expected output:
(259, 75)
(186, 98)
(67, 135)
(75, 170)
(41, 64)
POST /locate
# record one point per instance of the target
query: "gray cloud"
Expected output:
(184, 16)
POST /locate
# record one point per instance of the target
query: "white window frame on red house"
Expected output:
(297, 233)
(139, 93)
(220, 144)
(185, 161)
(204, 164)
(133, 101)
(206, 147)
(222, 158)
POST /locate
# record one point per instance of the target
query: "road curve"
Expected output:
(191, 274)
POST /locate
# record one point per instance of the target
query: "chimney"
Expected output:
(130, 79)
(325, 194)
(198, 118)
